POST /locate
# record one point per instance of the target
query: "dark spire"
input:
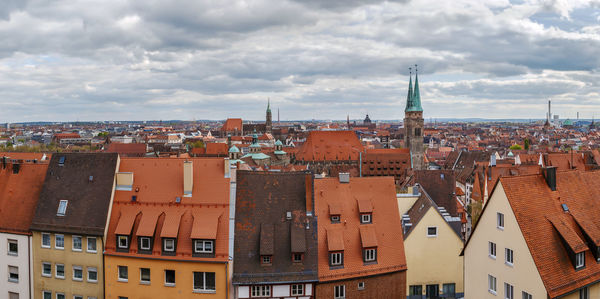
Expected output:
(416, 99)
(410, 91)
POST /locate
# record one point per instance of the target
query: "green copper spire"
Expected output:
(409, 97)
(268, 104)
(416, 98)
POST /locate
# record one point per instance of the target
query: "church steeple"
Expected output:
(409, 97)
(415, 102)
(269, 119)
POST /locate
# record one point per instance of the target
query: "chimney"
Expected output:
(124, 181)
(344, 177)
(226, 166)
(550, 175)
(188, 178)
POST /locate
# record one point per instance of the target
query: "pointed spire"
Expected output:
(416, 97)
(268, 104)
(410, 91)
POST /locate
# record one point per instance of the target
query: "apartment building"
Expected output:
(68, 228)
(20, 186)
(361, 248)
(169, 228)
(537, 238)
(275, 236)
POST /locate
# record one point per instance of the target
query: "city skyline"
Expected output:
(313, 59)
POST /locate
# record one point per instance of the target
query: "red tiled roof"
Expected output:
(232, 124)
(19, 195)
(385, 230)
(127, 148)
(330, 146)
(217, 149)
(205, 224)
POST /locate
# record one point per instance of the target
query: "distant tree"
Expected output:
(516, 147)
(474, 208)
(102, 134)
(526, 144)
(198, 144)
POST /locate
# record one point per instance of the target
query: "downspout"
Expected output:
(227, 280)
(103, 269)
(30, 263)
(360, 163)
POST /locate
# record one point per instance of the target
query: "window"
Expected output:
(203, 246)
(77, 297)
(169, 277)
(492, 284)
(415, 290)
(13, 274)
(60, 271)
(370, 255)
(335, 218)
(579, 260)
(46, 295)
(492, 249)
(584, 293)
(361, 285)
(62, 208)
(123, 242)
(145, 243)
(365, 218)
(297, 289)
(121, 297)
(508, 291)
(265, 259)
(297, 257)
(204, 282)
(92, 274)
(417, 132)
(12, 295)
(526, 295)
(91, 244)
(261, 291)
(339, 292)
(77, 273)
(432, 231)
(449, 289)
(169, 245)
(145, 275)
(59, 241)
(13, 247)
(336, 258)
(46, 242)
(508, 256)
(60, 296)
(77, 243)
(500, 220)
(47, 269)
(123, 275)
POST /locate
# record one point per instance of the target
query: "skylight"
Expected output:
(62, 208)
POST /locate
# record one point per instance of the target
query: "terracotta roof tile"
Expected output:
(205, 224)
(267, 243)
(297, 238)
(148, 223)
(170, 227)
(126, 220)
(567, 234)
(335, 239)
(330, 146)
(365, 206)
(368, 237)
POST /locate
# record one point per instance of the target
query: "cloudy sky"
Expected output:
(136, 60)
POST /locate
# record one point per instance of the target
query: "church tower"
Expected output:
(268, 122)
(413, 125)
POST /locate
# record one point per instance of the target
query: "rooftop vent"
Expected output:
(61, 161)
(91, 178)
(344, 177)
(133, 198)
(288, 215)
(178, 199)
(564, 207)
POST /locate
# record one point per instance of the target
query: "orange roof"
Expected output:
(330, 146)
(385, 232)
(19, 195)
(217, 149)
(158, 182)
(335, 208)
(365, 206)
(232, 124)
(25, 156)
(542, 221)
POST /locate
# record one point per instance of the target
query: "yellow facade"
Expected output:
(434, 260)
(593, 292)
(523, 274)
(69, 258)
(183, 288)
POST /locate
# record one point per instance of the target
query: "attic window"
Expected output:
(335, 218)
(297, 257)
(62, 208)
(265, 260)
(579, 260)
(365, 218)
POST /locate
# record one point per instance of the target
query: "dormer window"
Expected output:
(203, 246)
(335, 218)
(579, 260)
(123, 242)
(370, 255)
(266, 260)
(336, 258)
(169, 245)
(145, 243)
(62, 208)
(365, 218)
(297, 257)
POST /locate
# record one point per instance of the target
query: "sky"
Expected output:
(94, 60)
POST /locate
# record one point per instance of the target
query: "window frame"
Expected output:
(165, 242)
(43, 272)
(87, 245)
(90, 270)
(430, 235)
(46, 292)
(56, 266)
(204, 279)
(170, 284)
(122, 237)
(9, 242)
(142, 281)
(297, 254)
(509, 291)
(492, 284)
(361, 286)
(261, 291)
(49, 240)
(492, 250)
(580, 260)
(509, 253)
(366, 218)
(584, 293)
(80, 268)
(122, 279)
(141, 245)
(62, 207)
(61, 294)
(56, 241)
(526, 295)
(266, 260)
(339, 291)
(335, 218)
(499, 221)
(204, 242)
(367, 252)
(73, 237)
(299, 291)
(336, 258)
(10, 273)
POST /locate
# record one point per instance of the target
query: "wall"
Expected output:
(524, 275)
(21, 261)
(434, 260)
(184, 278)
(69, 258)
(390, 285)
(594, 292)
(405, 201)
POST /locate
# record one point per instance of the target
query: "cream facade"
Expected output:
(70, 271)
(406, 200)
(434, 260)
(15, 266)
(481, 266)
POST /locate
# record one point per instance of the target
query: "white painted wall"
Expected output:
(21, 261)
(281, 290)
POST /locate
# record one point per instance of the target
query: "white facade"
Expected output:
(10, 261)
(277, 291)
